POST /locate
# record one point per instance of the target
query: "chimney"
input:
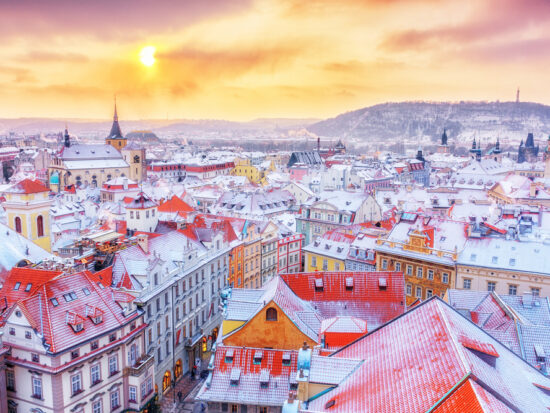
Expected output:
(125, 183)
(143, 242)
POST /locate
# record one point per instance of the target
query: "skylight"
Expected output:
(17, 285)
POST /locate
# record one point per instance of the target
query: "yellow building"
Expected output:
(27, 208)
(244, 167)
(325, 254)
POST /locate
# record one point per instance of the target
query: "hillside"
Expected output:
(426, 120)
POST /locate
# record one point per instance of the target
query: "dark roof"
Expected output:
(115, 133)
(305, 157)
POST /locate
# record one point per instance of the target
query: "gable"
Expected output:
(260, 333)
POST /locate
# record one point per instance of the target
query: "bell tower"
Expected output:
(28, 211)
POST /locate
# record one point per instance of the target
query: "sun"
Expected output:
(147, 55)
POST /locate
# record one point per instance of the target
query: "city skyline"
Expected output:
(242, 60)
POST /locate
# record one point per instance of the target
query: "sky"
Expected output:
(246, 59)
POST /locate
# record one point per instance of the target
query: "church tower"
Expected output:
(443, 148)
(28, 211)
(115, 138)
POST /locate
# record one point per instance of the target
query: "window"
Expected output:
(271, 314)
(445, 278)
(397, 266)
(94, 345)
(234, 408)
(35, 358)
(313, 262)
(336, 266)
(28, 335)
(491, 285)
(86, 291)
(54, 302)
(512, 289)
(95, 374)
(12, 331)
(113, 365)
(263, 410)
(409, 270)
(10, 380)
(409, 289)
(115, 400)
(384, 264)
(494, 260)
(96, 406)
(429, 293)
(419, 272)
(28, 287)
(75, 354)
(325, 265)
(132, 393)
(37, 387)
(512, 262)
(76, 384)
(18, 225)
(535, 292)
(131, 214)
(112, 337)
(418, 292)
(40, 226)
(16, 286)
(430, 274)
(467, 283)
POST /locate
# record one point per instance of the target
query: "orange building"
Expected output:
(236, 265)
(252, 256)
(289, 310)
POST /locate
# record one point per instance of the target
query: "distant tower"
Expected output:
(67, 140)
(443, 148)
(497, 152)
(420, 155)
(115, 138)
(318, 144)
(517, 96)
(476, 150)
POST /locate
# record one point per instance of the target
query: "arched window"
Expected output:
(40, 226)
(18, 225)
(271, 314)
(166, 381)
(136, 159)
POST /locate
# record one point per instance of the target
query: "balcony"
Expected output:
(141, 365)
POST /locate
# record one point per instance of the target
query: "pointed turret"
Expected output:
(444, 137)
(497, 147)
(474, 144)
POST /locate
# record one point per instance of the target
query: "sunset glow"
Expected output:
(244, 59)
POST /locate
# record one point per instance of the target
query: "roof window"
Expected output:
(318, 284)
(349, 283)
(17, 285)
(28, 287)
(382, 283)
(229, 355)
(235, 377)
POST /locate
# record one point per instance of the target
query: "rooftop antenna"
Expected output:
(517, 95)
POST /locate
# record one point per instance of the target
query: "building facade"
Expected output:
(289, 254)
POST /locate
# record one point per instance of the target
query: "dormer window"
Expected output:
(16, 286)
(258, 355)
(349, 283)
(382, 284)
(229, 356)
(286, 359)
(77, 327)
(318, 285)
(54, 302)
(264, 379)
(28, 287)
(235, 377)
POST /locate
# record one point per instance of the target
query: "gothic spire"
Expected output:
(115, 133)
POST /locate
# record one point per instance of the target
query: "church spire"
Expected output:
(115, 133)
(67, 140)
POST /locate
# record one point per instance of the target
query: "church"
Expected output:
(528, 152)
(93, 164)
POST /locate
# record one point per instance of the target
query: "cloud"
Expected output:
(106, 18)
(37, 56)
(490, 20)
(17, 74)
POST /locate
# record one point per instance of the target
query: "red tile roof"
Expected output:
(28, 186)
(50, 309)
(356, 294)
(416, 363)
(20, 278)
(249, 373)
(175, 204)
